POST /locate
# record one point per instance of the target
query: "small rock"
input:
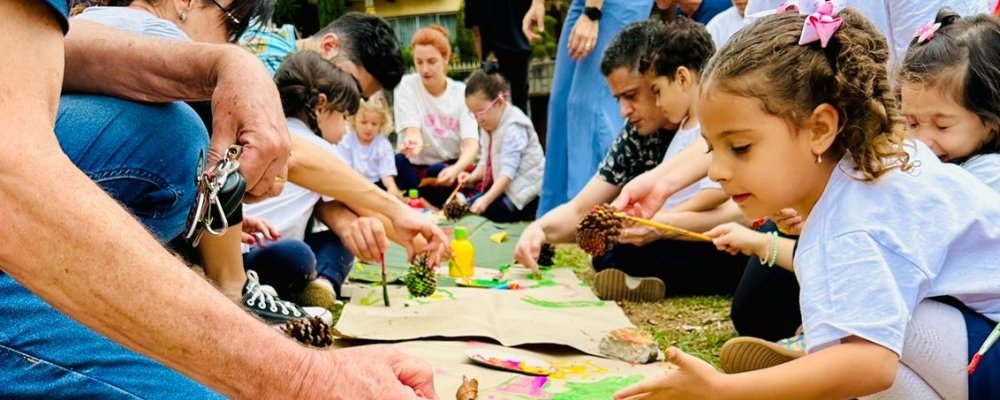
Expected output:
(631, 345)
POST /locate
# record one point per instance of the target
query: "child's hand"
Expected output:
(463, 178)
(412, 145)
(479, 206)
(693, 379)
(448, 175)
(255, 229)
(789, 221)
(735, 238)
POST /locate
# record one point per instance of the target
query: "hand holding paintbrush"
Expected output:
(598, 231)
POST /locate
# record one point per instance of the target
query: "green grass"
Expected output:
(698, 325)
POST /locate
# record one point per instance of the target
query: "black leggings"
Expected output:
(766, 303)
(686, 268)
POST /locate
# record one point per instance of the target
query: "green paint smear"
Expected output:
(547, 280)
(372, 297)
(561, 304)
(602, 389)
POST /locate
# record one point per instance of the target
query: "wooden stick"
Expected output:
(664, 227)
(385, 284)
(458, 185)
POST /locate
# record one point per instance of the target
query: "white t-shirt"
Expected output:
(682, 139)
(374, 160)
(443, 120)
(133, 20)
(986, 167)
(869, 252)
(290, 211)
(724, 25)
(898, 20)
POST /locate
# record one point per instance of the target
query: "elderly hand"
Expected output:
(246, 110)
(364, 372)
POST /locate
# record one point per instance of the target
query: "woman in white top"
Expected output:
(438, 137)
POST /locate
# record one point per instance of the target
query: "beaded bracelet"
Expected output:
(771, 253)
(774, 252)
(767, 253)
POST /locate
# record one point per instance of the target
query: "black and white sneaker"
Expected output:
(263, 302)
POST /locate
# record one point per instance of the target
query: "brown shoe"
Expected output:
(613, 284)
(742, 354)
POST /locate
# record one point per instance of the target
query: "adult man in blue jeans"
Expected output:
(68, 242)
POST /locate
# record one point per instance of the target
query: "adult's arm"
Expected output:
(245, 102)
(319, 171)
(45, 203)
(646, 194)
(559, 224)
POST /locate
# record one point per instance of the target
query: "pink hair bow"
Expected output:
(926, 32)
(821, 25)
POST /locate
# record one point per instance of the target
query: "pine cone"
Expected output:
(469, 389)
(310, 332)
(546, 255)
(454, 210)
(598, 230)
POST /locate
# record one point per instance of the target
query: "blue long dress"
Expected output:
(583, 114)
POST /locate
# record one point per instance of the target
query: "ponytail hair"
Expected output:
(488, 81)
(303, 76)
(764, 61)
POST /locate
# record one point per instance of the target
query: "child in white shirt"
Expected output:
(889, 228)
(367, 149)
(511, 160)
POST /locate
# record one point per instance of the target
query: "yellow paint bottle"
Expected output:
(463, 255)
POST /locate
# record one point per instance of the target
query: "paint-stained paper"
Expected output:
(577, 377)
(558, 309)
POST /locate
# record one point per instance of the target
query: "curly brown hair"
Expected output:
(764, 61)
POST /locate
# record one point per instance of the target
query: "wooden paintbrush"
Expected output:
(664, 227)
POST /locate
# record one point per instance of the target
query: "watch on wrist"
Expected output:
(593, 13)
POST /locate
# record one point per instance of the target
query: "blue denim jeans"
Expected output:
(333, 260)
(145, 156)
(287, 265)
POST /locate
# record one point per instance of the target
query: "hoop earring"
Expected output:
(182, 15)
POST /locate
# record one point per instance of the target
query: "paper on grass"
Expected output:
(564, 313)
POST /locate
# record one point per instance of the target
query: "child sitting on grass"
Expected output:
(899, 257)
(367, 149)
(511, 161)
